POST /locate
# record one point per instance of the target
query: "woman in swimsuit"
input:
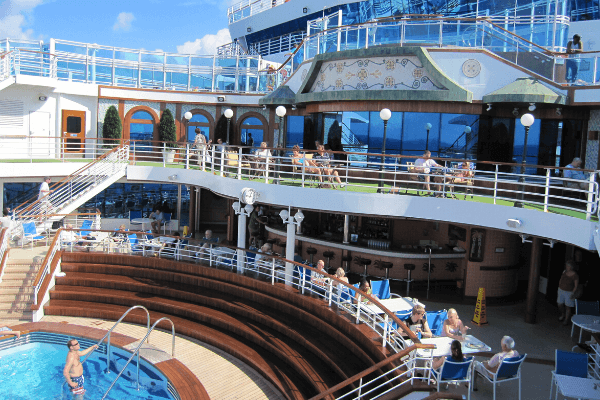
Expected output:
(310, 165)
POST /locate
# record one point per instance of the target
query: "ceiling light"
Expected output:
(515, 112)
(489, 107)
(531, 106)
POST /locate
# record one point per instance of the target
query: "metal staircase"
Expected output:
(76, 189)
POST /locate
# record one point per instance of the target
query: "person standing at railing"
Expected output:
(574, 48)
(575, 172)
(44, 195)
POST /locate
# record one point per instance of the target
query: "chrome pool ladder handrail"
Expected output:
(113, 327)
(137, 351)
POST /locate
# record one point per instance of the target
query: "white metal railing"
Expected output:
(106, 168)
(5, 234)
(502, 183)
(248, 8)
(44, 272)
(36, 148)
(271, 269)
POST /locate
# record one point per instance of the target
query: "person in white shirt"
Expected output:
(158, 221)
(490, 367)
(575, 172)
(262, 156)
(43, 196)
(423, 167)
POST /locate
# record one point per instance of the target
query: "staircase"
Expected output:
(76, 189)
(16, 288)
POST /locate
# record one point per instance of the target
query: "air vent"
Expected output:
(11, 113)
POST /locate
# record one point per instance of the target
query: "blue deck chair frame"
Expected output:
(30, 233)
(455, 372)
(508, 370)
(134, 244)
(436, 319)
(569, 364)
(585, 308)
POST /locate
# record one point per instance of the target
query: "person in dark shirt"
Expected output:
(417, 322)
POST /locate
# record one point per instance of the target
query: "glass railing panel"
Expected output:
(248, 62)
(71, 71)
(126, 55)
(421, 33)
(177, 79)
(177, 60)
(262, 82)
(152, 58)
(311, 47)
(99, 74)
(225, 82)
(225, 62)
(354, 39)
(451, 33)
(100, 53)
(298, 57)
(201, 81)
(126, 77)
(389, 34)
(329, 42)
(536, 62)
(206, 61)
(581, 70)
(152, 78)
(71, 48)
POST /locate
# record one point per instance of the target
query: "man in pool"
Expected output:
(73, 371)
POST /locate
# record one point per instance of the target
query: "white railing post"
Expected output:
(495, 183)
(239, 174)
(164, 151)
(590, 197)
(303, 173)
(273, 272)
(223, 153)
(330, 292)
(212, 164)
(547, 190)
(267, 169)
(187, 156)
(358, 303)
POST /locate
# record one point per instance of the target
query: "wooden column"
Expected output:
(534, 280)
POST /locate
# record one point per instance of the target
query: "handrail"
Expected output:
(45, 271)
(61, 183)
(371, 369)
(3, 249)
(137, 351)
(114, 326)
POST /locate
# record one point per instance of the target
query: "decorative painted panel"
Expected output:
(404, 72)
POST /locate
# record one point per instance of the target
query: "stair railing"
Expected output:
(113, 327)
(4, 236)
(74, 185)
(137, 352)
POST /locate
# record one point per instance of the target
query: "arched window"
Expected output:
(141, 129)
(252, 127)
(198, 121)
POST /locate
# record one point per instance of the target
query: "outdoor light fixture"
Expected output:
(385, 114)
(526, 120)
(42, 98)
(294, 107)
(427, 128)
(264, 107)
(489, 107)
(524, 238)
(220, 99)
(299, 217)
(550, 243)
(228, 114)
(173, 177)
(559, 111)
(236, 207)
(305, 10)
(248, 29)
(187, 115)
(467, 131)
(514, 223)
(284, 214)
(531, 106)
(515, 112)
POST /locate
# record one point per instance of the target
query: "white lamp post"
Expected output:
(526, 120)
(385, 115)
(427, 128)
(187, 116)
(228, 114)
(242, 213)
(467, 131)
(291, 223)
(280, 111)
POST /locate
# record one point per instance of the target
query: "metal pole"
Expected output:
(228, 123)
(381, 167)
(277, 154)
(289, 250)
(428, 270)
(241, 241)
(427, 141)
(519, 204)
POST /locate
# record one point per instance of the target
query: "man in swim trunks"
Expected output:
(73, 371)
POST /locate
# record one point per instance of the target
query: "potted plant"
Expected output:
(167, 133)
(111, 128)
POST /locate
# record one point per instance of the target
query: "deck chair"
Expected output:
(134, 244)
(232, 162)
(166, 222)
(30, 234)
(436, 319)
(381, 289)
(133, 214)
(569, 364)
(455, 372)
(466, 171)
(414, 180)
(509, 370)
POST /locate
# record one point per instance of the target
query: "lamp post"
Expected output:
(385, 114)
(291, 223)
(467, 131)
(242, 213)
(526, 120)
(228, 114)
(186, 118)
(428, 128)
(280, 111)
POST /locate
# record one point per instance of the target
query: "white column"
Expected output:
(289, 250)
(241, 255)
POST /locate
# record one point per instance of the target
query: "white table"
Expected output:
(165, 240)
(142, 221)
(470, 345)
(590, 323)
(394, 304)
(579, 388)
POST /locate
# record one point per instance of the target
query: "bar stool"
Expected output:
(409, 268)
(387, 266)
(346, 259)
(311, 251)
(366, 262)
(329, 255)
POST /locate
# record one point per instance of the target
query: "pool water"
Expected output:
(35, 371)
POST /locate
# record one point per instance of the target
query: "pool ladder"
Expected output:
(137, 351)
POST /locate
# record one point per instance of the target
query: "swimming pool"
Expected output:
(32, 368)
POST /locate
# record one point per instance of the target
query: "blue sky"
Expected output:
(184, 26)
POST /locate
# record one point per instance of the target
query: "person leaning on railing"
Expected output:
(574, 172)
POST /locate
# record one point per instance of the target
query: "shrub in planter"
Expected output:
(112, 127)
(167, 132)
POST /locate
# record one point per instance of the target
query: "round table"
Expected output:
(590, 323)
(142, 221)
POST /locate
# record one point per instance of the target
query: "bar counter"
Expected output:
(440, 259)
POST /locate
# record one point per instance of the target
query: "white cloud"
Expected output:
(207, 44)
(124, 21)
(14, 17)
